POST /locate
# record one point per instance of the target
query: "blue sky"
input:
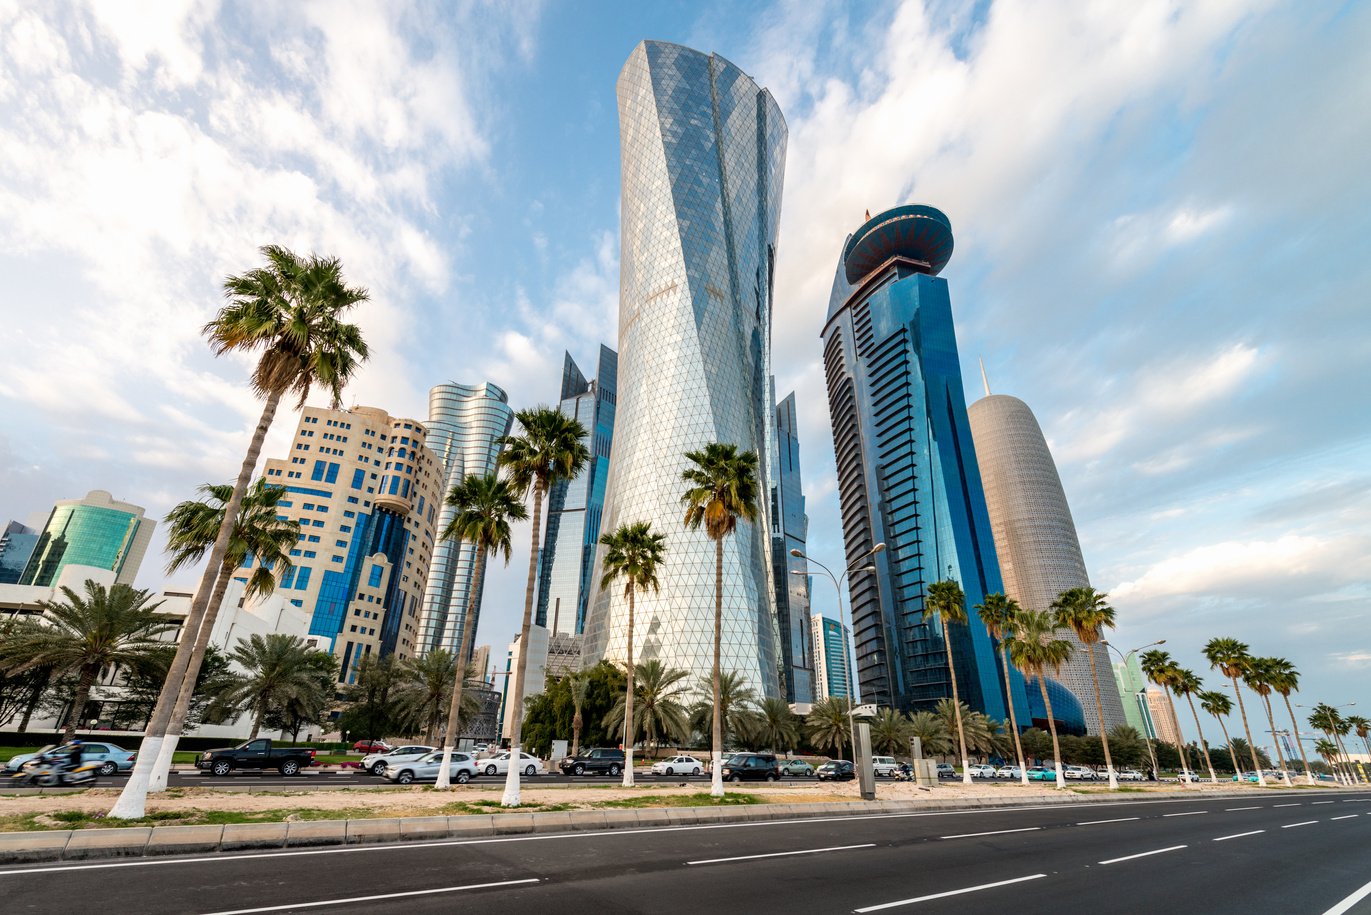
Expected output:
(1160, 210)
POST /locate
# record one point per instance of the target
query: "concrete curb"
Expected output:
(144, 841)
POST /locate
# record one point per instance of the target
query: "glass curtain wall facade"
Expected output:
(16, 546)
(702, 156)
(465, 424)
(1035, 538)
(96, 531)
(832, 662)
(789, 524)
(907, 470)
(575, 507)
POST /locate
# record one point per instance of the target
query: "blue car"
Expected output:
(110, 757)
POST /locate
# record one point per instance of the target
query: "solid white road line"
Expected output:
(783, 854)
(1144, 854)
(1286, 805)
(1293, 825)
(1350, 816)
(969, 889)
(1098, 822)
(1188, 813)
(1240, 835)
(997, 832)
(1316, 803)
(1230, 809)
(1346, 905)
(324, 902)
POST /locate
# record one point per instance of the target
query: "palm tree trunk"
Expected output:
(716, 779)
(1013, 721)
(132, 802)
(1229, 741)
(1213, 779)
(78, 701)
(1099, 714)
(1052, 726)
(1251, 747)
(1308, 773)
(629, 729)
(454, 710)
(516, 692)
(1180, 738)
(956, 709)
(576, 724)
(40, 686)
(1276, 739)
(1352, 777)
(259, 710)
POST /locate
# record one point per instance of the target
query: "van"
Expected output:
(884, 766)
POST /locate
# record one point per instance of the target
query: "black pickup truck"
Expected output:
(256, 754)
(598, 760)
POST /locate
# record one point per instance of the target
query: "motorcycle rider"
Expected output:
(72, 760)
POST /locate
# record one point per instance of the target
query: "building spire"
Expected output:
(985, 381)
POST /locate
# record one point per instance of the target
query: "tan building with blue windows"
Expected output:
(366, 490)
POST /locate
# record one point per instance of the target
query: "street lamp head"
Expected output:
(878, 548)
(1159, 642)
(873, 568)
(798, 572)
(798, 554)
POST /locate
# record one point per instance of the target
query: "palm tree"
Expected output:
(946, 599)
(1035, 649)
(998, 614)
(1329, 720)
(827, 723)
(84, 635)
(549, 450)
(1187, 683)
(579, 683)
(722, 488)
(1163, 671)
(1362, 726)
(483, 508)
(633, 552)
(290, 311)
(1329, 751)
(659, 712)
(425, 684)
(931, 731)
(1084, 610)
(1258, 678)
(261, 536)
(276, 672)
(1285, 679)
(1232, 657)
(777, 728)
(737, 702)
(889, 732)
(1218, 704)
(982, 731)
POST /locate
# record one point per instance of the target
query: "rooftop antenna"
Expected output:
(868, 216)
(985, 381)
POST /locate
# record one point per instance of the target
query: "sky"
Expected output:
(1160, 210)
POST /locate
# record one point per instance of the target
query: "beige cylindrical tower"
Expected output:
(1039, 552)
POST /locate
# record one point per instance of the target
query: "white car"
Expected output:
(884, 766)
(499, 764)
(1079, 773)
(1131, 775)
(378, 763)
(1010, 772)
(982, 771)
(425, 769)
(678, 765)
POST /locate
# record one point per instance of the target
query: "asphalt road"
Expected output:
(1258, 853)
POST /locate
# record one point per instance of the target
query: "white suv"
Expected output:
(1080, 773)
(376, 763)
(884, 766)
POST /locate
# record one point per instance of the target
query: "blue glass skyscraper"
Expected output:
(907, 471)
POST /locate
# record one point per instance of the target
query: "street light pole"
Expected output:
(852, 629)
(1142, 695)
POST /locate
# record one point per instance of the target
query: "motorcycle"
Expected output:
(47, 772)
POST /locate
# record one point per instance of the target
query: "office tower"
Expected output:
(1035, 538)
(1163, 721)
(95, 531)
(702, 155)
(907, 471)
(480, 662)
(789, 525)
(16, 546)
(832, 664)
(366, 490)
(1132, 688)
(465, 425)
(574, 507)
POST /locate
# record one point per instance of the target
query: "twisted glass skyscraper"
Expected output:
(702, 149)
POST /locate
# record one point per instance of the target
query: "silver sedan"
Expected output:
(425, 769)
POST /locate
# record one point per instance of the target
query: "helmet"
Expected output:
(75, 742)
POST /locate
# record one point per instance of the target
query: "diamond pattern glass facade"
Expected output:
(702, 154)
(465, 423)
(907, 471)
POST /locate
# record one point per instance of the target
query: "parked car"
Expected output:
(678, 765)
(461, 769)
(1246, 777)
(797, 767)
(1187, 775)
(1080, 773)
(499, 764)
(945, 770)
(839, 770)
(598, 760)
(371, 746)
(110, 757)
(1131, 775)
(1010, 772)
(377, 763)
(259, 753)
(983, 771)
(1042, 773)
(884, 766)
(753, 767)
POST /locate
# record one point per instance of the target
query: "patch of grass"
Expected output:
(465, 808)
(80, 819)
(699, 799)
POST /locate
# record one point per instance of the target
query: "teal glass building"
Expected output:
(96, 531)
(907, 470)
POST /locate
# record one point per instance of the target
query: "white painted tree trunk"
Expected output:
(157, 781)
(628, 767)
(716, 777)
(445, 774)
(132, 803)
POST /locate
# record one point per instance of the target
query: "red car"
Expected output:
(371, 746)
